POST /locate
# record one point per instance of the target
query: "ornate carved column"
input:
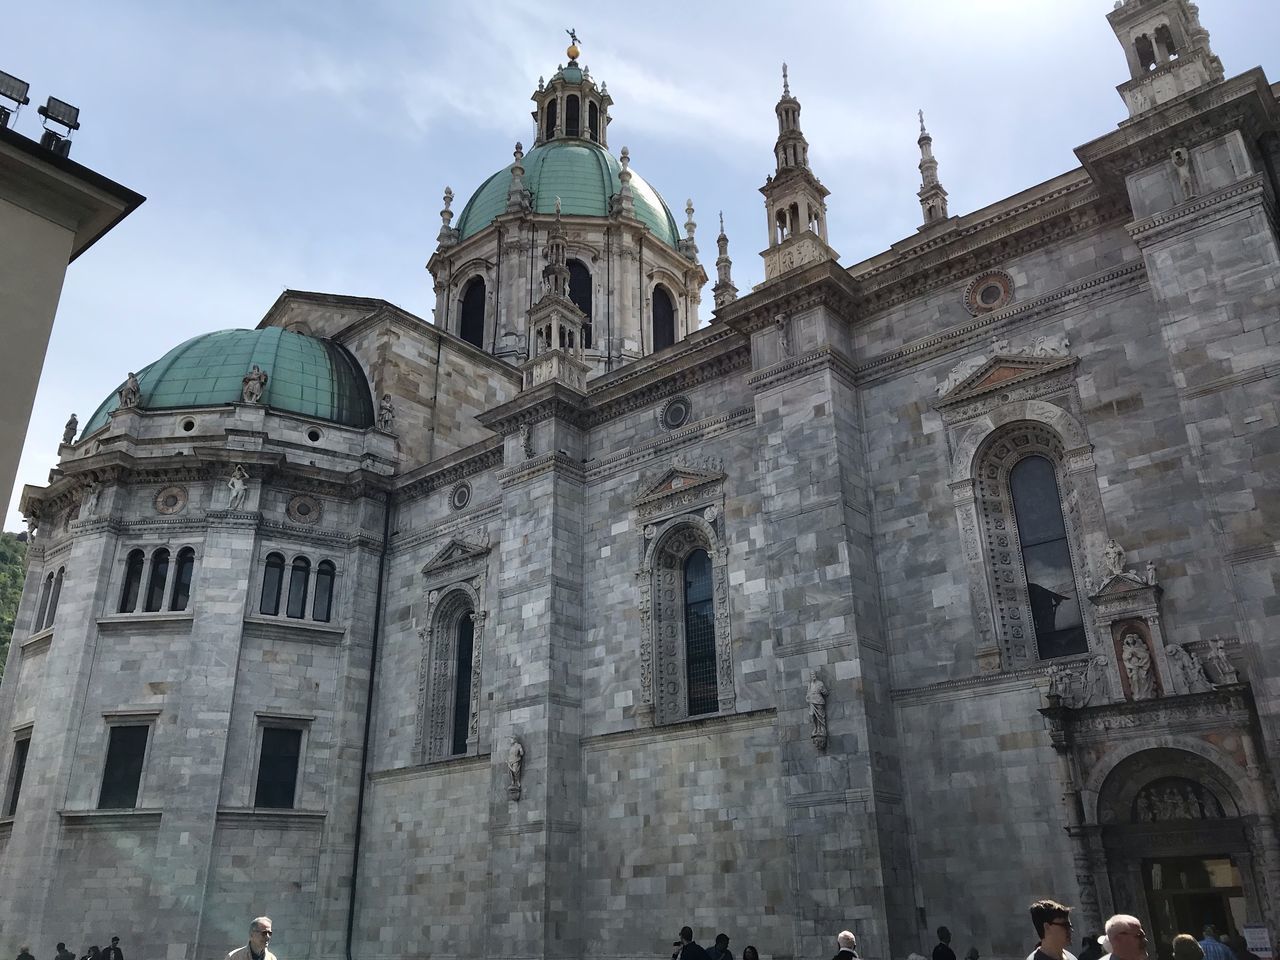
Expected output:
(1088, 906)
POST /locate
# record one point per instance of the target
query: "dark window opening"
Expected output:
(462, 683)
(53, 598)
(1046, 559)
(182, 579)
(42, 612)
(272, 577)
(699, 635)
(16, 770)
(664, 319)
(571, 118)
(580, 294)
(593, 121)
(323, 603)
(278, 768)
(298, 582)
(126, 749)
(549, 130)
(471, 318)
(1164, 42)
(132, 581)
(155, 585)
(1146, 52)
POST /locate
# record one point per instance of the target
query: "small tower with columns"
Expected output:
(571, 106)
(724, 291)
(1167, 49)
(933, 198)
(555, 321)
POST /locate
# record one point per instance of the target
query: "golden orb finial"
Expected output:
(573, 51)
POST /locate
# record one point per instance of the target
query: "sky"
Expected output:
(306, 145)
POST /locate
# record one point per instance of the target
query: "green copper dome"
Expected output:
(583, 175)
(313, 377)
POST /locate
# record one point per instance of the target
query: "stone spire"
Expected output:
(518, 200)
(791, 149)
(724, 291)
(448, 236)
(933, 198)
(624, 201)
(687, 246)
(555, 275)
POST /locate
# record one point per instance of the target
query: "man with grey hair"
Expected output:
(1125, 938)
(259, 937)
(848, 945)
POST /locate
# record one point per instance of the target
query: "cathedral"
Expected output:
(881, 596)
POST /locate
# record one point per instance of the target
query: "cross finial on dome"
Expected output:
(786, 86)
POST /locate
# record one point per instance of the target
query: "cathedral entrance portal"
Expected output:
(1188, 893)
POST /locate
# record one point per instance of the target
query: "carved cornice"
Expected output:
(445, 472)
(826, 358)
(640, 454)
(1228, 706)
(1249, 375)
(824, 283)
(556, 462)
(455, 555)
(683, 730)
(294, 631)
(477, 519)
(1178, 220)
(551, 400)
(977, 685)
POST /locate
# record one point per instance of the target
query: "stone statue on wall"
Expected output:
(386, 412)
(526, 441)
(1095, 681)
(1137, 664)
(1222, 667)
(130, 392)
(1186, 180)
(69, 431)
(90, 505)
(1187, 669)
(515, 767)
(1113, 558)
(816, 697)
(784, 338)
(252, 385)
(238, 487)
(1151, 573)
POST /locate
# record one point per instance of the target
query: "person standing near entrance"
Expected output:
(1052, 921)
(943, 949)
(1215, 949)
(1127, 938)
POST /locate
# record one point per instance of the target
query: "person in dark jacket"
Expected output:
(721, 949)
(848, 945)
(113, 952)
(687, 948)
(943, 950)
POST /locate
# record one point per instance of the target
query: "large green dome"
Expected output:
(309, 376)
(583, 175)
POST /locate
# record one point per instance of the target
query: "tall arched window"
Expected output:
(182, 573)
(299, 576)
(132, 581)
(43, 609)
(272, 578)
(664, 319)
(322, 605)
(464, 648)
(699, 635)
(593, 121)
(1046, 559)
(549, 130)
(155, 584)
(571, 117)
(471, 313)
(53, 598)
(580, 294)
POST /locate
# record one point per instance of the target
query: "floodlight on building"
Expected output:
(11, 88)
(65, 115)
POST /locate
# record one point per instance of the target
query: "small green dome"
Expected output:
(583, 175)
(306, 375)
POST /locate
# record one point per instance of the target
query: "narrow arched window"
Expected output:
(132, 581)
(323, 603)
(580, 294)
(699, 635)
(272, 577)
(471, 314)
(1046, 559)
(464, 651)
(53, 598)
(664, 319)
(593, 121)
(549, 130)
(571, 118)
(182, 573)
(42, 611)
(155, 584)
(299, 579)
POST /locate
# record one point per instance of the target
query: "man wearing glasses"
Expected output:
(1053, 926)
(1127, 938)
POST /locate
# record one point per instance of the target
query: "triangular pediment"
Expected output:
(455, 552)
(677, 480)
(977, 375)
(1122, 583)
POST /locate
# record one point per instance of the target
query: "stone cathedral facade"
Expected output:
(883, 595)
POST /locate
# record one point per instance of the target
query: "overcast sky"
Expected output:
(306, 145)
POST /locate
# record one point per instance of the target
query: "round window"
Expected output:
(314, 435)
(304, 509)
(989, 292)
(460, 496)
(171, 500)
(188, 425)
(675, 413)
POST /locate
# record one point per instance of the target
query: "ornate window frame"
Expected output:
(454, 584)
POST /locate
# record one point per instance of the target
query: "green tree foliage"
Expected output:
(12, 552)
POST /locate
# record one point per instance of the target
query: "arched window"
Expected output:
(272, 577)
(132, 581)
(299, 578)
(781, 226)
(471, 313)
(464, 647)
(182, 574)
(549, 130)
(571, 117)
(664, 319)
(699, 635)
(1046, 559)
(593, 121)
(155, 584)
(38, 623)
(323, 603)
(580, 294)
(53, 598)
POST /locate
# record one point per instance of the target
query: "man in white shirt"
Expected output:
(1127, 939)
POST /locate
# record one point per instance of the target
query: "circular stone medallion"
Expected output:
(171, 500)
(460, 496)
(304, 509)
(988, 292)
(675, 413)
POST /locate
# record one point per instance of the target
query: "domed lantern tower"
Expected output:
(632, 274)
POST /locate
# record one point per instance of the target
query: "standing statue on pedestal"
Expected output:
(252, 385)
(1186, 667)
(515, 767)
(1137, 664)
(1222, 667)
(130, 392)
(816, 697)
(1113, 558)
(1095, 681)
(238, 488)
(69, 431)
(386, 412)
(90, 505)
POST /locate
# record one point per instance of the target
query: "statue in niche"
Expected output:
(1137, 664)
(90, 505)
(816, 697)
(130, 392)
(1151, 573)
(1113, 558)
(252, 385)
(1095, 681)
(386, 412)
(69, 431)
(239, 489)
(1187, 668)
(1222, 667)
(515, 767)
(526, 441)
(1182, 166)
(784, 338)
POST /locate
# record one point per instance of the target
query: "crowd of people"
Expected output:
(255, 949)
(95, 952)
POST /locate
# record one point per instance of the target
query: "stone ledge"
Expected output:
(159, 620)
(978, 685)
(297, 631)
(435, 768)
(684, 729)
(107, 819)
(37, 642)
(266, 817)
